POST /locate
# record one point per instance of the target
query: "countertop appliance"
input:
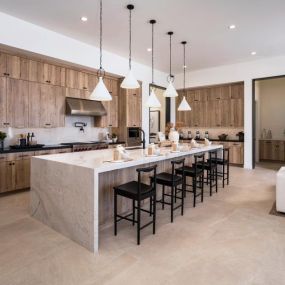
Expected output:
(134, 136)
(240, 136)
(85, 146)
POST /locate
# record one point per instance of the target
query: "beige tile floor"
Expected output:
(229, 239)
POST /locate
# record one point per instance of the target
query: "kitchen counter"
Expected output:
(73, 192)
(46, 147)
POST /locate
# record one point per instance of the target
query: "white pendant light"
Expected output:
(170, 90)
(152, 101)
(184, 106)
(100, 93)
(130, 81)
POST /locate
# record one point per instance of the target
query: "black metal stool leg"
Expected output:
(139, 223)
(223, 175)
(194, 191)
(154, 214)
(115, 213)
(202, 189)
(228, 173)
(172, 202)
(134, 212)
(216, 178)
(150, 206)
(211, 183)
(163, 192)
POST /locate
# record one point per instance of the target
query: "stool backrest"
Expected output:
(146, 170)
(213, 154)
(177, 164)
(199, 158)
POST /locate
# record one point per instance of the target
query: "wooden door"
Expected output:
(236, 153)
(237, 112)
(72, 78)
(13, 66)
(225, 113)
(265, 150)
(36, 70)
(5, 176)
(59, 119)
(92, 81)
(34, 105)
(114, 105)
(22, 173)
(278, 150)
(131, 108)
(47, 106)
(216, 113)
(53, 74)
(17, 103)
(225, 92)
(3, 102)
(3, 60)
(237, 91)
(138, 109)
(83, 81)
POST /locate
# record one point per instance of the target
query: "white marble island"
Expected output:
(73, 192)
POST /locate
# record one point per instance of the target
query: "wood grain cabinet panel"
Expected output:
(22, 174)
(5, 176)
(53, 74)
(36, 71)
(17, 103)
(272, 150)
(72, 78)
(3, 102)
(237, 112)
(236, 153)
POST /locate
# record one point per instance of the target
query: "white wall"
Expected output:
(246, 71)
(29, 37)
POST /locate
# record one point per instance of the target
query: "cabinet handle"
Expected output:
(6, 124)
(84, 88)
(110, 125)
(47, 124)
(218, 98)
(47, 81)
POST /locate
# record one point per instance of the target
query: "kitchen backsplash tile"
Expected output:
(51, 136)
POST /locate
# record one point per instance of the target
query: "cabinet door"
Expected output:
(3, 61)
(237, 90)
(236, 153)
(92, 81)
(278, 150)
(216, 113)
(34, 105)
(36, 70)
(114, 111)
(47, 106)
(225, 113)
(59, 119)
(22, 173)
(72, 78)
(138, 109)
(237, 112)
(83, 81)
(17, 103)
(265, 151)
(5, 176)
(131, 108)
(3, 102)
(13, 66)
(53, 74)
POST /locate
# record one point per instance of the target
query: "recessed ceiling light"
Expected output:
(84, 19)
(253, 53)
(149, 49)
(232, 27)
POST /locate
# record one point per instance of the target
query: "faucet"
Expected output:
(143, 140)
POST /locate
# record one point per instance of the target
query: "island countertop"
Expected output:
(101, 160)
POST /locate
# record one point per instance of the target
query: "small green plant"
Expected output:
(2, 136)
(114, 136)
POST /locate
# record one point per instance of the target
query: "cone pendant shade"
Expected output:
(100, 92)
(152, 101)
(130, 81)
(184, 106)
(170, 91)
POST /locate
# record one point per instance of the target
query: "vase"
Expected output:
(173, 135)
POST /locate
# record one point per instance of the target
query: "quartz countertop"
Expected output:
(101, 160)
(215, 140)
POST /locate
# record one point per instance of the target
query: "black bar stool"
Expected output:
(197, 174)
(137, 191)
(172, 180)
(212, 170)
(225, 162)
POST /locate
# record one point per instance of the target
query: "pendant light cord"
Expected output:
(170, 73)
(152, 52)
(130, 40)
(184, 68)
(101, 32)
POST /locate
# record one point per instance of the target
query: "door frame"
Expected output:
(167, 104)
(254, 113)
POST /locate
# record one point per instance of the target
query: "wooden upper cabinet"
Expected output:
(236, 112)
(53, 74)
(34, 105)
(237, 90)
(92, 81)
(14, 66)
(77, 93)
(83, 81)
(17, 103)
(36, 70)
(72, 78)
(3, 102)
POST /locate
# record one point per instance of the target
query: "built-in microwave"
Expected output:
(133, 136)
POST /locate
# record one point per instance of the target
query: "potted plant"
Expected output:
(2, 138)
(114, 138)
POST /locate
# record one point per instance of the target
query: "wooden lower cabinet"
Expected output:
(15, 168)
(236, 151)
(272, 150)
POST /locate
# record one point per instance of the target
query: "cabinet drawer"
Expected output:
(64, 150)
(44, 152)
(19, 155)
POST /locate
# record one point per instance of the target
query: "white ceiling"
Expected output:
(203, 23)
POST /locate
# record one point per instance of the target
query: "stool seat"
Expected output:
(207, 165)
(189, 171)
(168, 179)
(130, 190)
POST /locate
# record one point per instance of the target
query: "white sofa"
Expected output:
(280, 190)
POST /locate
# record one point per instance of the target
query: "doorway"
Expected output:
(158, 117)
(269, 122)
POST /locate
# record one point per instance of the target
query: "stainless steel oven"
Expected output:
(133, 136)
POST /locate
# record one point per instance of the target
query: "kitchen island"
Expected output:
(73, 192)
